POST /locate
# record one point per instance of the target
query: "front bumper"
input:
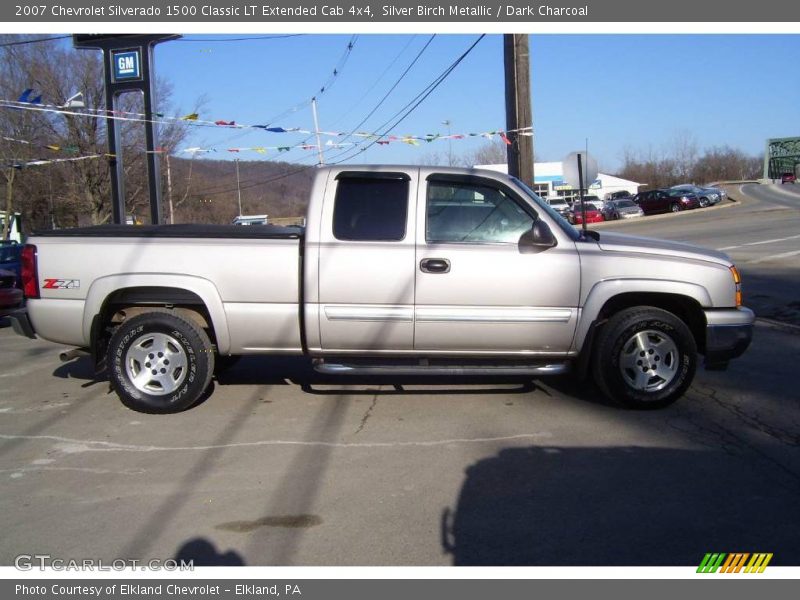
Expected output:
(728, 334)
(21, 323)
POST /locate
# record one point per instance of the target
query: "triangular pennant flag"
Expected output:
(276, 129)
(383, 142)
(284, 148)
(233, 150)
(505, 139)
(53, 147)
(225, 123)
(259, 149)
(190, 117)
(25, 95)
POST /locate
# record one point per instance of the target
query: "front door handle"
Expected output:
(434, 265)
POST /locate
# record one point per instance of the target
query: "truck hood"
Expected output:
(620, 242)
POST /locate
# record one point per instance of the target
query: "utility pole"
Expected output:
(518, 106)
(9, 202)
(238, 187)
(316, 131)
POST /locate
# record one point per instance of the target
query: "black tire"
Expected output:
(675, 207)
(615, 346)
(704, 202)
(172, 388)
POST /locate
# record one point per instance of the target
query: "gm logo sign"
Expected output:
(127, 65)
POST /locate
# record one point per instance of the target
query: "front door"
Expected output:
(476, 292)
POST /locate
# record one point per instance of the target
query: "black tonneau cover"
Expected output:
(269, 232)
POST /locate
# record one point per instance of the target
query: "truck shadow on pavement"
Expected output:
(617, 506)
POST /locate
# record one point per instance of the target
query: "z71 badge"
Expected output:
(62, 284)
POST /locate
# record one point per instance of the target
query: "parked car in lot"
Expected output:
(788, 178)
(661, 201)
(619, 195)
(707, 196)
(559, 205)
(10, 293)
(401, 271)
(621, 209)
(593, 215)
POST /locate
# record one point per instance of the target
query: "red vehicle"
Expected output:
(661, 201)
(592, 215)
(788, 178)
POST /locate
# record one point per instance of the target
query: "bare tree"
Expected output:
(57, 72)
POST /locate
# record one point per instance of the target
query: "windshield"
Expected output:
(541, 204)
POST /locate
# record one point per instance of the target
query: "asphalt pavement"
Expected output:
(280, 466)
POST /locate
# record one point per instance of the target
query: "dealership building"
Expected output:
(549, 182)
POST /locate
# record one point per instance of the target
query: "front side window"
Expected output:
(461, 212)
(370, 209)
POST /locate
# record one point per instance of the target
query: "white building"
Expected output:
(549, 182)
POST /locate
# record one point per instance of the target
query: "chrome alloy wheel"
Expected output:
(649, 361)
(156, 364)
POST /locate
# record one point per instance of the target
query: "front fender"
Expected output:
(103, 287)
(603, 291)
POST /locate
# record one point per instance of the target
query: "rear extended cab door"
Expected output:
(477, 292)
(365, 262)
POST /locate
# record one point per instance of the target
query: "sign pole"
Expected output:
(580, 193)
(128, 67)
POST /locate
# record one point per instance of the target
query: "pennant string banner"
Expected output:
(194, 119)
(48, 161)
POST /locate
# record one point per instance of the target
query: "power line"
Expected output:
(35, 41)
(375, 83)
(413, 104)
(242, 39)
(396, 83)
(337, 69)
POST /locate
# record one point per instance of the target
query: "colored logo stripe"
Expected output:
(734, 562)
(711, 562)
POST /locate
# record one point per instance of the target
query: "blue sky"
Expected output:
(620, 91)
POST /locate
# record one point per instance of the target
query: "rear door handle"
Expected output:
(434, 265)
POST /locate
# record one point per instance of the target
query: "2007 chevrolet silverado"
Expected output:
(400, 270)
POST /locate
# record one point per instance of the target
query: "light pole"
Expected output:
(238, 187)
(448, 123)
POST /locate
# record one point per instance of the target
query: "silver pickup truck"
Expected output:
(400, 270)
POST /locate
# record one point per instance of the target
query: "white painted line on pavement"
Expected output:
(792, 237)
(74, 446)
(774, 257)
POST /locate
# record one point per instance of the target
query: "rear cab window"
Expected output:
(371, 208)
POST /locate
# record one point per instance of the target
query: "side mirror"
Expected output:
(537, 238)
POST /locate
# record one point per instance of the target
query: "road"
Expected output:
(282, 467)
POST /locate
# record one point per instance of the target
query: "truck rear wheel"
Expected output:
(645, 358)
(159, 362)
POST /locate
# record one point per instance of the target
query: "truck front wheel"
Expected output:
(159, 362)
(645, 357)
